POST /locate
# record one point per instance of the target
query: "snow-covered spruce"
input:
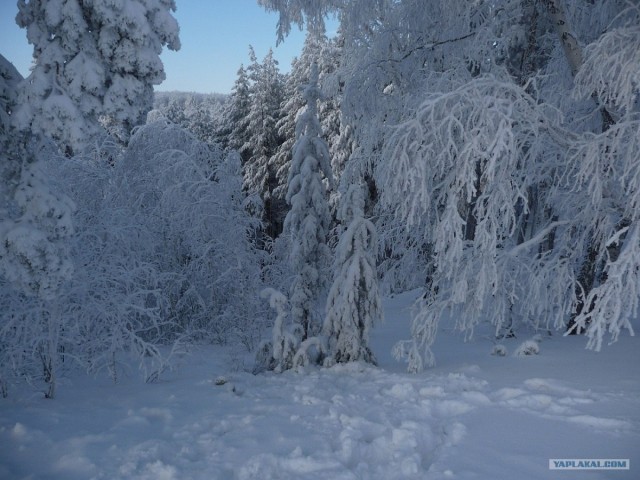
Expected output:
(35, 221)
(318, 49)
(236, 111)
(94, 63)
(261, 136)
(292, 106)
(307, 223)
(353, 305)
(35, 230)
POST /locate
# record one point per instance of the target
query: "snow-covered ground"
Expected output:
(474, 416)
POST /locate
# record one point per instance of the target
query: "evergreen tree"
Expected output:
(10, 78)
(94, 62)
(35, 220)
(353, 305)
(35, 262)
(262, 137)
(237, 111)
(337, 131)
(292, 106)
(308, 220)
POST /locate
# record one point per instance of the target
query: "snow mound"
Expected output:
(526, 348)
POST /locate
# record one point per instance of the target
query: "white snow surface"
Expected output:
(473, 416)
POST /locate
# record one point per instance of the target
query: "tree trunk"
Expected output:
(471, 221)
(572, 50)
(588, 272)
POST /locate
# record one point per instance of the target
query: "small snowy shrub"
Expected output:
(499, 350)
(528, 347)
(277, 354)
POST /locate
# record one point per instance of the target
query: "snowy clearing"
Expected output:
(474, 416)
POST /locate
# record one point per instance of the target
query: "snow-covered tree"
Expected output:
(35, 227)
(237, 110)
(35, 220)
(308, 220)
(278, 353)
(262, 137)
(35, 263)
(511, 193)
(604, 167)
(328, 54)
(353, 305)
(95, 61)
(293, 104)
(10, 78)
(459, 166)
(188, 197)
(10, 165)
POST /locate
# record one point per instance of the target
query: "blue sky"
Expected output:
(215, 36)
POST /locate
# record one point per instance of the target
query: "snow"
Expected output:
(473, 416)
